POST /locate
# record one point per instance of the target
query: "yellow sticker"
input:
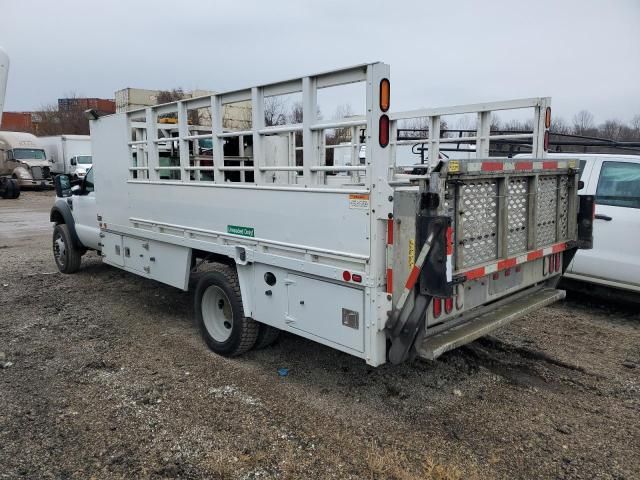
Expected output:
(454, 166)
(412, 253)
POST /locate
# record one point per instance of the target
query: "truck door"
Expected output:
(614, 256)
(85, 214)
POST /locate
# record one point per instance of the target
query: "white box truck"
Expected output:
(68, 154)
(378, 263)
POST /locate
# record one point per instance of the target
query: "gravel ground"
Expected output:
(105, 376)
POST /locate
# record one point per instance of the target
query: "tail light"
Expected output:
(448, 305)
(546, 140)
(437, 307)
(383, 136)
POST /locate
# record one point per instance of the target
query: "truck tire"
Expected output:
(220, 315)
(14, 188)
(66, 255)
(266, 336)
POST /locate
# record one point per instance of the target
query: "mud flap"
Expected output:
(432, 282)
(402, 344)
(433, 276)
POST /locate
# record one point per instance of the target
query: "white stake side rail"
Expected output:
(375, 178)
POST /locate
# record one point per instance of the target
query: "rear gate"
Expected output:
(510, 227)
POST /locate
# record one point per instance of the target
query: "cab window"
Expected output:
(88, 181)
(619, 185)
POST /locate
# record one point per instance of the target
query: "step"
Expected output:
(432, 347)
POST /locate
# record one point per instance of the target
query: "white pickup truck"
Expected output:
(362, 256)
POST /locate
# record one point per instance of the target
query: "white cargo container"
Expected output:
(359, 256)
(68, 154)
(134, 98)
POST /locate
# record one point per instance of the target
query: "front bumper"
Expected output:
(29, 183)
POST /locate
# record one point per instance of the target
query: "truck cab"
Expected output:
(80, 165)
(23, 158)
(76, 225)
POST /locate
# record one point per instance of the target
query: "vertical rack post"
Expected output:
(152, 146)
(217, 145)
(309, 113)
(183, 131)
(257, 123)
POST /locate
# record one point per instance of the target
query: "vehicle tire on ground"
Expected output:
(266, 336)
(66, 255)
(220, 314)
(9, 188)
(15, 188)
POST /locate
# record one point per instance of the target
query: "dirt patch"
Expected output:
(109, 379)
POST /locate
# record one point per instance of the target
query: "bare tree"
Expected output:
(558, 125)
(70, 121)
(611, 129)
(275, 111)
(635, 124)
(583, 123)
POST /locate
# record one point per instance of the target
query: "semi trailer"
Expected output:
(9, 187)
(70, 154)
(379, 261)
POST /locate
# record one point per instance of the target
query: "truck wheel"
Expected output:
(66, 255)
(266, 336)
(14, 188)
(220, 315)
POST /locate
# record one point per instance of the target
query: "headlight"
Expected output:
(24, 174)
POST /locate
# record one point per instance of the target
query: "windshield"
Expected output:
(28, 154)
(84, 159)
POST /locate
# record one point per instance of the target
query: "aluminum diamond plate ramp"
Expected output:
(433, 347)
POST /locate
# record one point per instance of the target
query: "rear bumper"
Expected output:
(487, 320)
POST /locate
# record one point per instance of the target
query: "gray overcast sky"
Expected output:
(583, 53)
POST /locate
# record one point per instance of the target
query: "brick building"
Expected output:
(102, 105)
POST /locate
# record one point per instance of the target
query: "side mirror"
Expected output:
(62, 185)
(73, 161)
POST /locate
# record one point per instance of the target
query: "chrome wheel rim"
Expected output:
(59, 249)
(217, 314)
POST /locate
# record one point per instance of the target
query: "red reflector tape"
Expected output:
(549, 165)
(524, 165)
(390, 231)
(475, 273)
(449, 241)
(389, 280)
(559, 247)
(508, 263)
(534, 255)
(492, 166)
(413, 277)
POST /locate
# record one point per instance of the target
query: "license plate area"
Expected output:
(500, 282)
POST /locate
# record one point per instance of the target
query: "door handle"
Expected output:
(606, 218)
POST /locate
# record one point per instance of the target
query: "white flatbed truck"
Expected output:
(365, 258)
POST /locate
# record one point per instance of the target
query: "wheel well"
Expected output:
(56, 217)
(208, 257)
